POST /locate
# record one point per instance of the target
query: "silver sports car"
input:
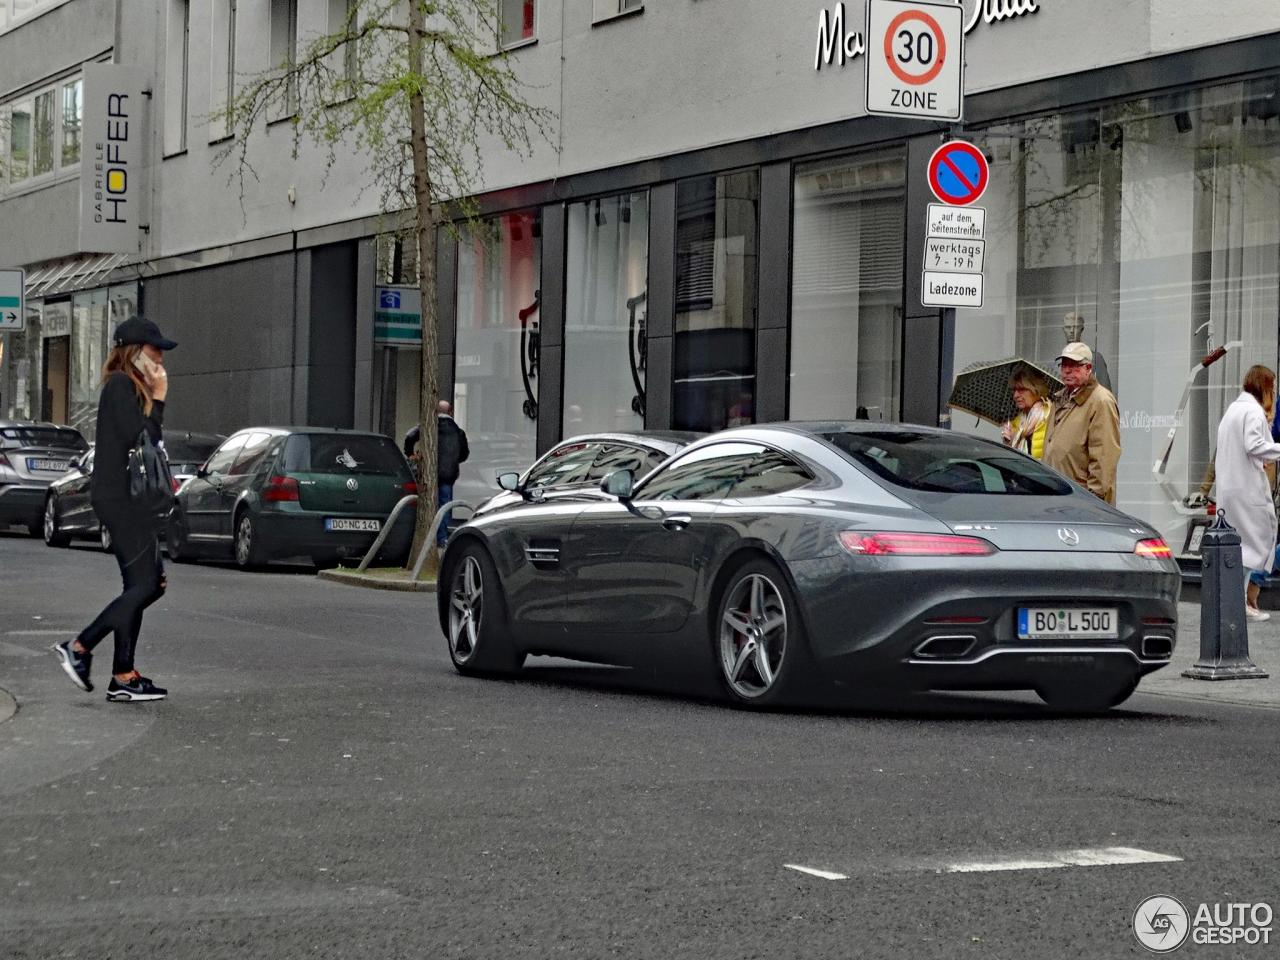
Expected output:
(772, 557)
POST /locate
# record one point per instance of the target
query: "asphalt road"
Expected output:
(322, 784)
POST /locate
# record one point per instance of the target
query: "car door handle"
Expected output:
(677, 521)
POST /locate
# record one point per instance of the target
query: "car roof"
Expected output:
(666, 440)
(289, 431)
(42, 424)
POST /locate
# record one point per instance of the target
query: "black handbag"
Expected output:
(150, 480)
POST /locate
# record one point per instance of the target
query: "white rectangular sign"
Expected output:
(961, 256)
(941, 289)
(13, 307)
(111, 158)
(915, 59)
(959, 223)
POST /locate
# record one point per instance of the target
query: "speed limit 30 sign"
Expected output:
(915, 59)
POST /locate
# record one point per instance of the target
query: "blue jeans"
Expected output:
(444, 495)
(1260, 576)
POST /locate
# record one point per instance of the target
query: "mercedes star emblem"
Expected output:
(1068, 536)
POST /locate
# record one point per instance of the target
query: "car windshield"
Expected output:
(343, 454)
(63, 437)
(945, 463)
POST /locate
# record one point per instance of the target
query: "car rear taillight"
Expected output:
(176, 484)
(1155, 549)
(409, 487)
(893, 544)
(280, 490)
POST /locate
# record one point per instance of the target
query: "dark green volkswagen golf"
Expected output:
(269, 493)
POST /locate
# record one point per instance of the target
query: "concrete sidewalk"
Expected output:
(1264, 650)
(380, 578)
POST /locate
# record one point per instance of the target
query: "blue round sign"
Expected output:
(958, 173)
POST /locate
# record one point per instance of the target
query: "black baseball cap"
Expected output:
(141, 331)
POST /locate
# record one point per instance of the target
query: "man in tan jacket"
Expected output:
(1083, 439)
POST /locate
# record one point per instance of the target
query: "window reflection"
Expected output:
(606, 311)
(715, 313)
(498, 351)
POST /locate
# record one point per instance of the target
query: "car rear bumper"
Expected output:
(952, 624)
(303, 534)
(22, 502)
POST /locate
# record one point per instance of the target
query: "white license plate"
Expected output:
(1068, 623)
(57, 465)
(335, 525)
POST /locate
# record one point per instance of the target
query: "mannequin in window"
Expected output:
(1073, 330)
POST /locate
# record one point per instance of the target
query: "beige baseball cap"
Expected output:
(1079, 352)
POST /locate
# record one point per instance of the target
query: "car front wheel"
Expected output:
(761, 653)
(479, 641)
(53, 536)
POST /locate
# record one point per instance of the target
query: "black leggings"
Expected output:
(137, 550)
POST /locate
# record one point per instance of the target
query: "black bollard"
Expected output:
(1224, 634)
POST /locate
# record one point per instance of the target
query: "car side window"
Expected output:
(225, 455)
(707, 473)
(770, 473)
(567, 463)
(619, 456)
(250, 454)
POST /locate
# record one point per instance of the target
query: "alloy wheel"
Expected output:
(753, 636)
(466, 608)
(244, 540)
(50, 520)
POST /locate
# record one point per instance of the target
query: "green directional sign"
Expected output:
(13, 312)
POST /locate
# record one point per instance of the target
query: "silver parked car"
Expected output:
(887, 557)
(32, 456)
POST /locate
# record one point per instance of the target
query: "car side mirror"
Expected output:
(202, 471)
(620, 484)
(509, 481)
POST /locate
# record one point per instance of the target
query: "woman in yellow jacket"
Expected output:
(1026, 431)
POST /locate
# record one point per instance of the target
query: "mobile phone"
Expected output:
(144, 364)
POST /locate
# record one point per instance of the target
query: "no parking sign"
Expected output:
(915, 59)
(958, 173)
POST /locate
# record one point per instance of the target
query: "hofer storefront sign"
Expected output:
(111, 158)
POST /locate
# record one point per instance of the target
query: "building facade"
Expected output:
(715, 233)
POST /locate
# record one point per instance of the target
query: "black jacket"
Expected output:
(451, 448)
(120, 420)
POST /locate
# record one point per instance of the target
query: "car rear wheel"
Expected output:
(479, 641)
(760, 650)
(248, 548)
(175, 542)
(1087, 695)
(53, 537)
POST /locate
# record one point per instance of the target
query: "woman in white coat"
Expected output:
(1244, 447)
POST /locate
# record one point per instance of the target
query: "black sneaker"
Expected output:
(76, 664)
(139, 688)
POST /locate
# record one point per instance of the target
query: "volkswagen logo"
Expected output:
(1068, 536)
(354, 484)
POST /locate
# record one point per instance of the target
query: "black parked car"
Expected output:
(32, 456)
(273, 492)
(68, 515)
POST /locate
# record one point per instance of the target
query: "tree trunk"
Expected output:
(425, 227)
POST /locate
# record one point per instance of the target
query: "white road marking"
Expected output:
(824, 874)
(1030, 860)
(1100, 857)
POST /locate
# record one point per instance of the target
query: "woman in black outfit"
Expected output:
(134, 386)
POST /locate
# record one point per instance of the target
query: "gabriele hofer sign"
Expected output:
(111, 158)
(841, 38)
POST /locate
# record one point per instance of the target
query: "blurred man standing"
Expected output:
(1083, 439)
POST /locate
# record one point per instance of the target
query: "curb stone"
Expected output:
(351, 578)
